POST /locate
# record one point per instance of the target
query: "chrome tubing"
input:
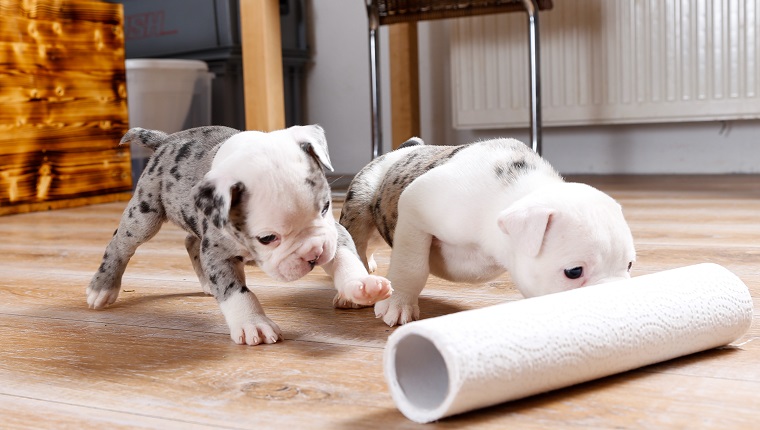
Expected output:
(374, 71)
(535, 72)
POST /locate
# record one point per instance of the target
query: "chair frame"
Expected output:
(375, 21)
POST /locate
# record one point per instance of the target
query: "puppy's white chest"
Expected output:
(462, 263)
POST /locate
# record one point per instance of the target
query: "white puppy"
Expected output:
(469, 213)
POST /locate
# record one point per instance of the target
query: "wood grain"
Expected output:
(161, 356)
(262, 65)
(64, 104)
(405, 85)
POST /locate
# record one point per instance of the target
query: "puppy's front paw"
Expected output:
(396, 310)
(98, 298)
(259, 329)
(364, 291)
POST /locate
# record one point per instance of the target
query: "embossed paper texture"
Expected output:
(455, 363)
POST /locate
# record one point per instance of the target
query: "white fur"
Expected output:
(303, 233)
(457, 222)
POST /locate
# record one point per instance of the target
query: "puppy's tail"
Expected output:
(150, 138)
(415, 141)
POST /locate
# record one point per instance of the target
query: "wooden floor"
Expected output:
(161, 356)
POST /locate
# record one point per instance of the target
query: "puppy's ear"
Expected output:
(216, 197)
(313, 142)
(527, 225)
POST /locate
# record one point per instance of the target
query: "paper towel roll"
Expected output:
(456, 363)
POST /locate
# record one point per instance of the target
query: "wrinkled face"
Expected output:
(295, 234)
(269, 193)
(584, 240)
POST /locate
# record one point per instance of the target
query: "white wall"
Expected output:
(338, 99)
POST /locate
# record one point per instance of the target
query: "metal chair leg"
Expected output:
(535, 75)
(374, 74)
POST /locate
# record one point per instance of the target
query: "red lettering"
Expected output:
(146, 25)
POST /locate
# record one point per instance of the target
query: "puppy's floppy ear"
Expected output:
(527, 225)
(313, 142)
(216, 196)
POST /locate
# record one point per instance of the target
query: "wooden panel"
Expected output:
(63, 104)
(262, 65)
(405, 87)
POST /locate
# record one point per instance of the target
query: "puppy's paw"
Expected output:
(364, 291)
(372, 264)
(397, 311)
(98, 298)
(259, 329)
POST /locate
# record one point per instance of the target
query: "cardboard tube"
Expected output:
(468, 360)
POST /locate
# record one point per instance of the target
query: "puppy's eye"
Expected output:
(326, 208)
(574, 273)
(630, 264)
(266, 240)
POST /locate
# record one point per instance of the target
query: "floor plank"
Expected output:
(161, 357)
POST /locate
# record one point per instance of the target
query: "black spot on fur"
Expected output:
(184, 151)
(205, 243)
(129, 234)
(217, 220)
(455, 150)
(212, 278)
(191, 222)
(410, 143)
(210, 204)
(310, 183)
(144, 207)
(229, 288)
(244, 290)
(153, 165)
(115, 232)
(349, 195)
(175, 173)
(519, 165)
(102, 268)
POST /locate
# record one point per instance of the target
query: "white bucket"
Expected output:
(168, 95)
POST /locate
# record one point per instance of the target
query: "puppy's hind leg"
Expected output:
(140, 221)
(409, 270)
(193, 246)
(356, 218)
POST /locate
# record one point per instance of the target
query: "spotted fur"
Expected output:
(374, 196)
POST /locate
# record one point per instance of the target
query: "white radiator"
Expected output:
(611, 62)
